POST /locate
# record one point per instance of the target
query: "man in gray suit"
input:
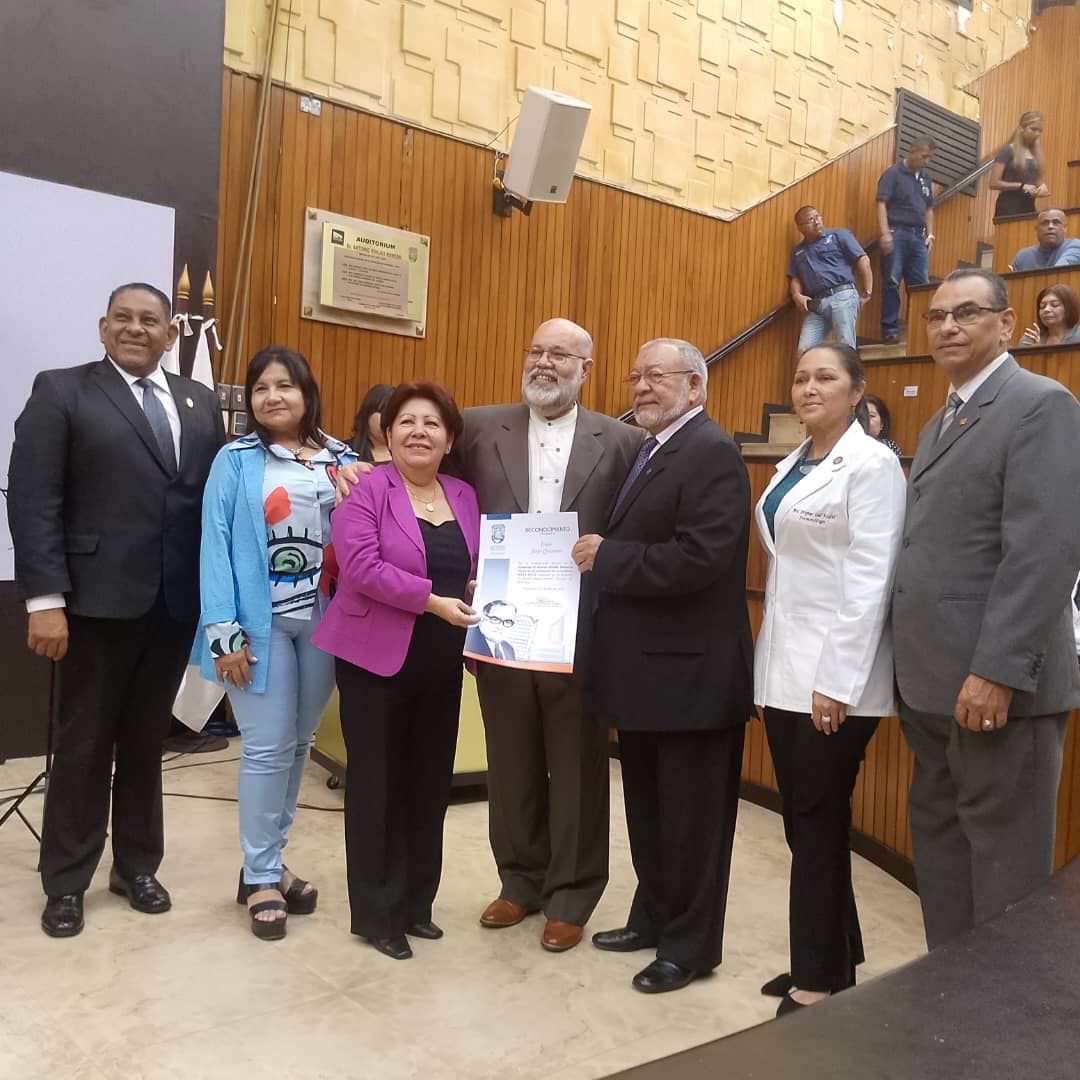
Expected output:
(985, 660)
(547, 756)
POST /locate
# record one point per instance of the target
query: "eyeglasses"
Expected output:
(963, 315)
(500, 622)
(653, 377)
(556, 356)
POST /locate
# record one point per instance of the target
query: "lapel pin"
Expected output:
(963, 420)
(189, 403)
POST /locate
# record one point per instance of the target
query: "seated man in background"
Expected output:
(822, 280)
(1054, 248)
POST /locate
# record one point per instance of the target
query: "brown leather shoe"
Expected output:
(560, 936)
(502, 913)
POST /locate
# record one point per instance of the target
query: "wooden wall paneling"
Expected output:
(1072, 184)
(628, 267)
(887, 379)
(918, 304)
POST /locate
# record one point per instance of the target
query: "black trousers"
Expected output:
(816, 775)
(118, 682)
(401, 736)
(682, 796)
(548, 790)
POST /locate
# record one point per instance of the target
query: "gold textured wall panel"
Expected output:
(708, 104)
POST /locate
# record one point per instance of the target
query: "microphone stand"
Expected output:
(42, 777)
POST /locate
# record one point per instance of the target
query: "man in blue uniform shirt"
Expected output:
(822, 273)
(1054, 247)
(905, 209)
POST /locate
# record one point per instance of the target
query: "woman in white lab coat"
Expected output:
(831, 522)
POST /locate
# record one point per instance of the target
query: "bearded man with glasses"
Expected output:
(547, 756)
(982, 614)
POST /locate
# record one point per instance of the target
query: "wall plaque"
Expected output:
(361, 273)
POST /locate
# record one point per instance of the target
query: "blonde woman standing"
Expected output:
(1019, 169)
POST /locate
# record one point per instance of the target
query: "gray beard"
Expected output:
(560, 394)
(653, 419)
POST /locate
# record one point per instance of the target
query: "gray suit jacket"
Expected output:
(991, 550)
(492, 454)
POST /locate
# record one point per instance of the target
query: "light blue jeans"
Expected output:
(277, 727)
(839, 313)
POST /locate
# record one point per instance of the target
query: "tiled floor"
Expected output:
(192, 994)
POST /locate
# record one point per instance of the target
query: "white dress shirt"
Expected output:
(967, 389)
(164, 395)
(550, 442)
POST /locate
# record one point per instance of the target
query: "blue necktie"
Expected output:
(647, 447)
(159, 422)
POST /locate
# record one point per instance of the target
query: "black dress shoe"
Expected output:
(661, 976)
(779, 986)
(426, 930)
(623, 940)
(397, 948)
(144, 892)
(63, 915)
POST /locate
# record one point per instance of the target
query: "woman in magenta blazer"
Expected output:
(406, 541)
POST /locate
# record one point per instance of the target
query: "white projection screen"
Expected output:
(62, 250)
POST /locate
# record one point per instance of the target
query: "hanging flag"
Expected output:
(202, 370)
(197, 697)
(170, 359)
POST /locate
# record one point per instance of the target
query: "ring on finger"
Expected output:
(988, 723)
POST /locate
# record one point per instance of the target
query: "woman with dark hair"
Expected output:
(265, 524)
(1018, 169)
(367, 436)
(1057, 318)
(830, 522)
(878, 422)
(406, 540)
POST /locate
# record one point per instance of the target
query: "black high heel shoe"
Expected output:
(263, 929)
(779, 986)
(299, 901)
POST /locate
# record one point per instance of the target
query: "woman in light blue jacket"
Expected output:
(265, 527)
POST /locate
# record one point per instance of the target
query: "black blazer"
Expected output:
(94, 511)
(673, 650)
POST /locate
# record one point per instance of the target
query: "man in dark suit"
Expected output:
(104, 502)
(672, 663)
(547, 758)
(488, 637)
(982, 620)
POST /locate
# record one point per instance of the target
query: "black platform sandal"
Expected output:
(263, 929)
(299, 901)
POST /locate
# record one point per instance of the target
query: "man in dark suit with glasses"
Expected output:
(672, 662)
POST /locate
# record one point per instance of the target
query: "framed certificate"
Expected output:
(527, 591)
